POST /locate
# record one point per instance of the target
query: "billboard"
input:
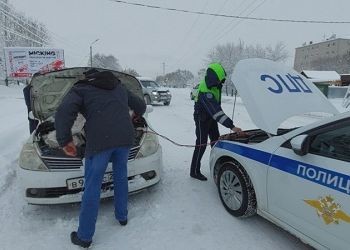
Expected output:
(23, 62)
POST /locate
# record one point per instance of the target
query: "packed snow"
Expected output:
(178, 213)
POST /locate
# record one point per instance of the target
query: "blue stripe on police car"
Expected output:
(331, 179)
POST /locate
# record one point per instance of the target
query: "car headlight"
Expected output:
(154, 93)
(30, 160)
(149, 145)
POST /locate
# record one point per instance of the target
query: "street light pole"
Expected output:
(91, 51)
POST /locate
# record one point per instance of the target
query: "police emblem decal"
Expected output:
(329, 210)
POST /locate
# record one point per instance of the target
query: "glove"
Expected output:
(136, 118)
(70, 149)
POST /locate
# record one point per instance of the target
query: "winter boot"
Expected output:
(76, 241)
(199, 176)
(123, 222)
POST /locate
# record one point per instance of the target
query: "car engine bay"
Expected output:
(252, 136)
(45, 137)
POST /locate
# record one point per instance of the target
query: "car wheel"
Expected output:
(147, 100)
(236, 191)
(166, 103)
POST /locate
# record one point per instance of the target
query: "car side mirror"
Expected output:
(300, 144)
(149, 109)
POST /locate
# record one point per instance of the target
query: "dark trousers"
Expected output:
(203, 130)
(32, 125)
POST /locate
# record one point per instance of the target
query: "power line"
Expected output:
(197, 48)
(191, 28)
(212, 20)
(53, 35)
(234, 26)
(232, 16)
(18, 21)
(221, 33)
(25, 28)
(15, 17)
(20, 35)
(5, 9)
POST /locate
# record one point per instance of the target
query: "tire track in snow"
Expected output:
(7, 179)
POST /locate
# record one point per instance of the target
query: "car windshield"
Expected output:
(149, 84)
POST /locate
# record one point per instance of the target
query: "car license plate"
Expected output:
(77, 183)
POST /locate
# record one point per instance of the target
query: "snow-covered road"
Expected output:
(178, 213)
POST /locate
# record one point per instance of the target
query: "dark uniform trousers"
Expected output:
(204, 129)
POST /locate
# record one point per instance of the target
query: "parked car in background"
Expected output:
(48, 175)
(153, 93)
(298, 177)
(194, 92)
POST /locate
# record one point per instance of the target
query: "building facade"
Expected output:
(322, 55)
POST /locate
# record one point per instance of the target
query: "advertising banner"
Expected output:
(23, 62)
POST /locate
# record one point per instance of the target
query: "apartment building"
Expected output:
(309, 56)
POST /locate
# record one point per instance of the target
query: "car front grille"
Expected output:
(62, 163)
(74, 163)
(133, 152)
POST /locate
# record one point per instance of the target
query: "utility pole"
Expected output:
(5, 23)
(90, 56)
(163, 68)
(91, 51)
(5, 37)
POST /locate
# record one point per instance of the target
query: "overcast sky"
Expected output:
(143, 38)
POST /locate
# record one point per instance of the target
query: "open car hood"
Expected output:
(273, 93)
(48, 89)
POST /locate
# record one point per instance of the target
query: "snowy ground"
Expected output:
(178, 213)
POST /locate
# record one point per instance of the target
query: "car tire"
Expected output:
(147, 100)
(166, 103)
(236, 191)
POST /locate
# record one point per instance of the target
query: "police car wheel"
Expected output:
(235, 190)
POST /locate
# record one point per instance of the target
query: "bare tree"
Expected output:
(178, 78)
(131, 71)
(19, 30)
(230, 53)
(106, 62)
(278, 53)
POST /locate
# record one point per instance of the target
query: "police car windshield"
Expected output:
(149, 84)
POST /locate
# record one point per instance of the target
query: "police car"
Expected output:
(298, 178)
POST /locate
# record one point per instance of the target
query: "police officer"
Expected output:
(207, 113)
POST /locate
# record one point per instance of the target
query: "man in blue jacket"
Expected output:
(207, 113)
(104, 102)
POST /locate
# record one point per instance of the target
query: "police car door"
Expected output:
(311, 193)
